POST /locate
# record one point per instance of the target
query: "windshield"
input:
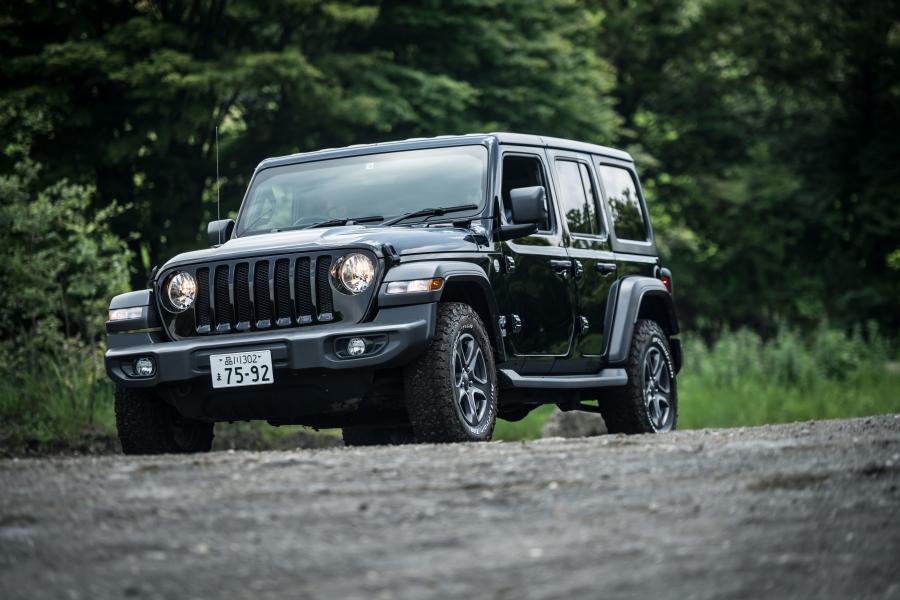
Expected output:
(386, 185)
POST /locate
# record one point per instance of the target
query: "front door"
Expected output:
(593, 263)
(538, 300)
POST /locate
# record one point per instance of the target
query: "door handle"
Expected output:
(605, 268)
(562, 267)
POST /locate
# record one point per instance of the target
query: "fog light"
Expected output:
(356, 346)
(143, 367)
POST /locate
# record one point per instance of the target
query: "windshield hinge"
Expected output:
(391, 258)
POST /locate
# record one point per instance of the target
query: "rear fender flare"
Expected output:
(623, 308)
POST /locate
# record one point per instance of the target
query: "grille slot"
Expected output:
(303, 290)
(242, 295)
(282, 292)
(261, 294)
(224, 313)
(323, 289)
(249, 294)
(203, 319)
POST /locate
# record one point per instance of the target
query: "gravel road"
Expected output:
(804, 510)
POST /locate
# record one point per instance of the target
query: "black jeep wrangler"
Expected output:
(407, 291)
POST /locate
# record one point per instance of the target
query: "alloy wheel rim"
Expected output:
(657, 390)
(470, 380)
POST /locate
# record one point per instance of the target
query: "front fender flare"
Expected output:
(451, 272)
(137, 299)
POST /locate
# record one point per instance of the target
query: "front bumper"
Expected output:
(405, 330)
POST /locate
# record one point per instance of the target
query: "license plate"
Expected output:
(238, 369)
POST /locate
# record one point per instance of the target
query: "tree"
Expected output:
(133, 92)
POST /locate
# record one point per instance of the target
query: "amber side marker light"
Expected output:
(415, 285)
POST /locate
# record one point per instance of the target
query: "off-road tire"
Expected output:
(148, 425)
(378, 436)
(624, 409)
(431, 391)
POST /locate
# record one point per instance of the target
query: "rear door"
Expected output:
(593, 262)
(631, 236)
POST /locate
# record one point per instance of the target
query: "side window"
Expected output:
(624, 204)
(577, 197)
(525, 171)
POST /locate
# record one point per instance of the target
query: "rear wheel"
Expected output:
(378, 436)
(649, 402)
(148, 425)
(451, 390)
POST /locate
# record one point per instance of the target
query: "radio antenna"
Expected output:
(218, 203)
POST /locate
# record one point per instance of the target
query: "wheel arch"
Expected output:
(463, 282)
(634, 298)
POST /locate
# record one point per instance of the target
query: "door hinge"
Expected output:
(510, 264)
(501, 322)
(585, 324)
(516, 323)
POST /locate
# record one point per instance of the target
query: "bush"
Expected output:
(61, 267)
(740, 380)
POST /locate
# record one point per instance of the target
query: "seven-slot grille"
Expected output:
(261, 294)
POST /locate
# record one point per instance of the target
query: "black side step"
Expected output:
(605, 378)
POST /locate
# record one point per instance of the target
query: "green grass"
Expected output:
(56, 403)
(746, 401)
(528, 428)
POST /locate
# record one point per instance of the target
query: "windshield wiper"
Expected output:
(346, 221)
(431, 212)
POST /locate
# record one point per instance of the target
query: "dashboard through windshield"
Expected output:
(385, 185)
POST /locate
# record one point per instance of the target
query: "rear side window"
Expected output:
(627, 214)
(577, 199)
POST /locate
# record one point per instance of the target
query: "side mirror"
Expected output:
(219, 232)
(529, 205)
(529, 211)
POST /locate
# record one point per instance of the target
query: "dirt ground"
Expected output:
(808, 510)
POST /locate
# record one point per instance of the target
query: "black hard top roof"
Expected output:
(519, 139)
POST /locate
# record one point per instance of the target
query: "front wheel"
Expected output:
(649, 402)
(451, 390)
(148, 425)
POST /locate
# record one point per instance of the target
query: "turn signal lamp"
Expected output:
(416, 285)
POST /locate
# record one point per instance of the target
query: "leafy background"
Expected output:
(764, 132)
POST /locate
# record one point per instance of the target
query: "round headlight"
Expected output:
(356, 273)
(181, 291)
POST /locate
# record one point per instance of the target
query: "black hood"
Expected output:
(405, 240)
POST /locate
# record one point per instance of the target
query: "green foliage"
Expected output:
(61, 266)
(128, 95)
(764, 133)
(766, 137)
(742, 381)
(528, 428)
